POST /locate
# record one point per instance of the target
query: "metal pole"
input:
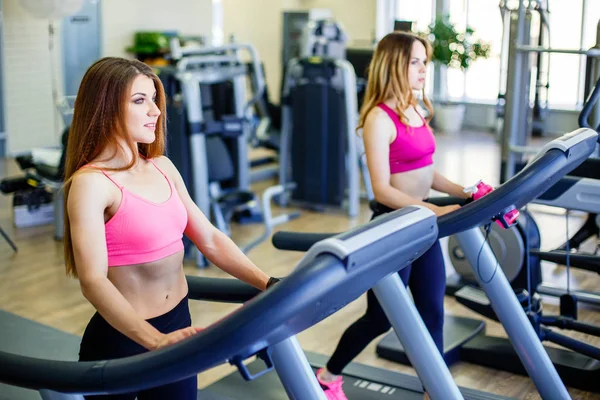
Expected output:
(352, 156)
(582, 60)
(513, 108)
(193, 102)
(241, 154)
(286, 134)
(440, 79)
(416, 340)
(537, 49)
(7, 238)
(523, 337)
(294, 371)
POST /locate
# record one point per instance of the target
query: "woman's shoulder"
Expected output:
(165, 164)
(378, 118)
(89, 173)
(90, 184)
(377, 109)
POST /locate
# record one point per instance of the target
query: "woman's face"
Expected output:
(142, 111)
(417, 66)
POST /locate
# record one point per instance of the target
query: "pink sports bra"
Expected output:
(142, 231)
(413, 147)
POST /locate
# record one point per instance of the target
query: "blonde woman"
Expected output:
(399, 146)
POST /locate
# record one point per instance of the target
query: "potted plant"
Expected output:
(150, 47)
(452, 49)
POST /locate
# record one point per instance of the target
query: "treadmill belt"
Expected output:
(360, 382)
(457, 332)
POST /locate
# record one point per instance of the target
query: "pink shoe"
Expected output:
(333, 390)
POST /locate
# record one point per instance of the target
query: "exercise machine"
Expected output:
(320, 150)
(536, 13)
(579, 190)
(334, 273)
(330, 276)
(42, 180)
(516, 127)
(519, 254)
(44, 169)
(552, 162)
(208, 135)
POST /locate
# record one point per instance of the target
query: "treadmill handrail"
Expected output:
(222, 290)
(297, 241)
(535, 179)
(312, 292)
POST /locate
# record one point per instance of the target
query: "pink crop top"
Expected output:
(142, 231)
(413, 147)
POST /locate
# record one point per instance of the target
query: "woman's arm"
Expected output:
(378, 133)
(442, 184)
(216, 246)
(86, 204)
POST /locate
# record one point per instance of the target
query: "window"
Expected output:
(421, 13)
(590, 38)
(481, 82)
(565, 33)
(573, 25)
(462, 12)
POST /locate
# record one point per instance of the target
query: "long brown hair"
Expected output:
(388, 75)
(99, 123)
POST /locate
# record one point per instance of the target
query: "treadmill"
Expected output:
(578, 191)
(568, 145)
(554, 160)
(334, 273)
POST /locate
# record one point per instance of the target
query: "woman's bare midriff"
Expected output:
(416, 183)
(153, 288)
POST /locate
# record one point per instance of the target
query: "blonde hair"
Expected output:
(99, 123)
(388, 75)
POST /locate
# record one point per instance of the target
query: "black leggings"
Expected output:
(103, 342)
(426, 278)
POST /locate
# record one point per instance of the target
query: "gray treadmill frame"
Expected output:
(582, 196)
(511, 315)
(492, 280)
(291, 363)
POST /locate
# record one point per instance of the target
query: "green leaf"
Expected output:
(452, 48)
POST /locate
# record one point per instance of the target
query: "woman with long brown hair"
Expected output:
(127, 210)
(399, 146)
